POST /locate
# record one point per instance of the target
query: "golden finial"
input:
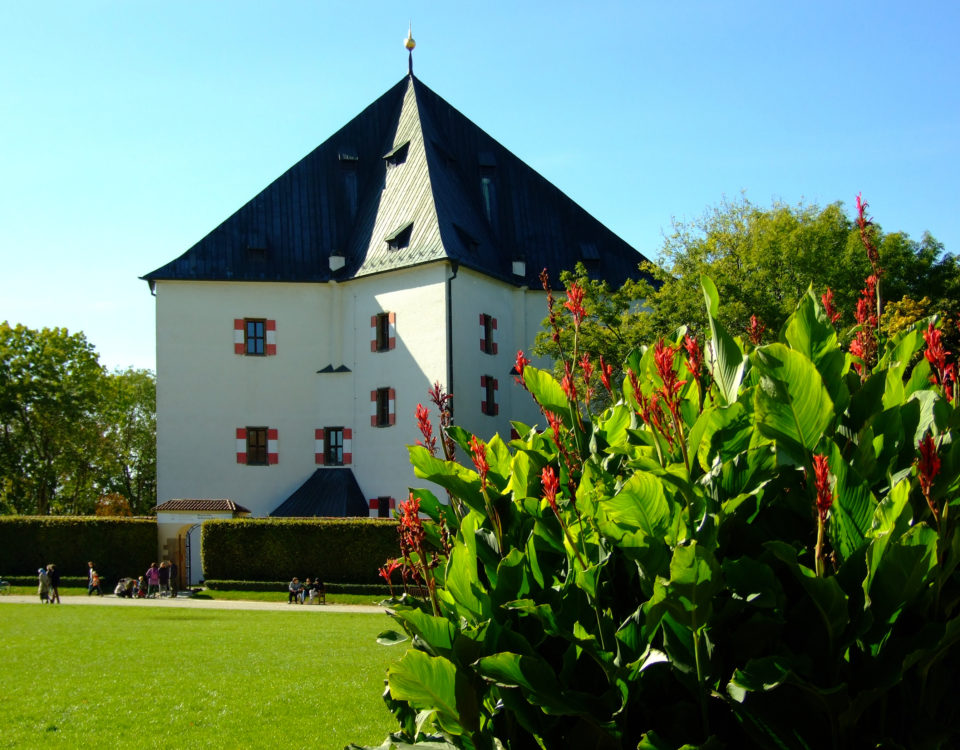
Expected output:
(410, 44)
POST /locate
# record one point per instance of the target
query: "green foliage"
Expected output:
(260, 549)
(71, 433)
(762, 261)
(369, 589)
(118, 547)
(754, 555)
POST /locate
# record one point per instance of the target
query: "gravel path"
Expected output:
(190, 603)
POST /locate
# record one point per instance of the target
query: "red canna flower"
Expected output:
(694, 355)
(828, 307)
(411, 527)
(587, 366)
(928, 466)
(663, 356)
(569, 387)
(755, 331)
(945, 373)
(606, 371)
(478, 452)
(520, 366)
(864, 223)
(574, 304)
(551, 483)
(426, 429)
(821, 470)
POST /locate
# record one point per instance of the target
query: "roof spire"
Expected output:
(410, 44)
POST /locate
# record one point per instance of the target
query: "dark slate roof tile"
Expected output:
(289, 230)
(327, 493)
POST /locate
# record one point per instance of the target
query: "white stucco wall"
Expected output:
(518, 313)
(205, 391)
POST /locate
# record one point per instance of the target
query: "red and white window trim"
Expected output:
(241, 344)
(320, 447)
(383, 332)
(243, 445)
(383, 407)
(488, 334)
(488, 395)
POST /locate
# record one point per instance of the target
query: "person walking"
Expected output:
(164, 578)
(153, 580)
(43, 587)
(90, 572)
(54, 577)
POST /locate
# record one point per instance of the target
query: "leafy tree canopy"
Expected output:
(70, 432)
(762, 261)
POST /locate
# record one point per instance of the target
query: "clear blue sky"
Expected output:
(129, 130)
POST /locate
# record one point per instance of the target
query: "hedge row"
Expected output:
(281, 586)
(117, 546)
(262, 549)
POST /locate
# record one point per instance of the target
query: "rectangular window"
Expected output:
(488, 389)
(488, 334)
(383, 507)
(383, 338)
(333, 449)
(256, 446)
(255, 337)
(383, 407)
(383, 411)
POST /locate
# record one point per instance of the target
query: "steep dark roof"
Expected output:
(399, 185)
(328, 493)
(200, 505)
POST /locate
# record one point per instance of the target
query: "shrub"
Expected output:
(344, 551)
(117, 546)
(756, 550)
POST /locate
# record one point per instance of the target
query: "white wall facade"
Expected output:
(206, 391)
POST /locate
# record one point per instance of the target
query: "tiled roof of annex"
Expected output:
(194, 505)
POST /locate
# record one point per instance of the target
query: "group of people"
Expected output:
(159, 581)
(49, 584)
(308, 592)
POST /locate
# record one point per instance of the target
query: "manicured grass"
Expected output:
(274, 596)
(247, 596)
(174, 677)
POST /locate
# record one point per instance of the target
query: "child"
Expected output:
(94, 583)
(44, 586)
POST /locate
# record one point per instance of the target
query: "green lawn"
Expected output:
(139, 677)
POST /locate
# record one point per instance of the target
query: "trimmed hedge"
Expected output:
(266, 549)
(281, 587)
(117, 546)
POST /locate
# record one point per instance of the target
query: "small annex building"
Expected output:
(178, 526)
(295, 340)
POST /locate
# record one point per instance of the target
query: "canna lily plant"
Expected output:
(755, 545)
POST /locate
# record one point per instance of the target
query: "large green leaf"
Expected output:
(640, 504)
(810, 334)
(852, 512)
(434, 683)
(725, 360)
(792, 405)
(460, 481)
(547, 391)
(695, 578)
(897, 570)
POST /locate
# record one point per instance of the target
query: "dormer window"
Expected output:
(468, 242)
(398, 155)
(400, 238)
(589, 252)
(488, 186)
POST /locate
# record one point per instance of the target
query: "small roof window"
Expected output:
(487, 159)
(466, 239)
(348, 155)
(398, 155)
(589, 252)
(400, 238)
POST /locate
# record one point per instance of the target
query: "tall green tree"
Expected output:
(762, 260)
(71, 433)
(128, 465)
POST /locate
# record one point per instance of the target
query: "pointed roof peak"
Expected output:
(409, 44)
